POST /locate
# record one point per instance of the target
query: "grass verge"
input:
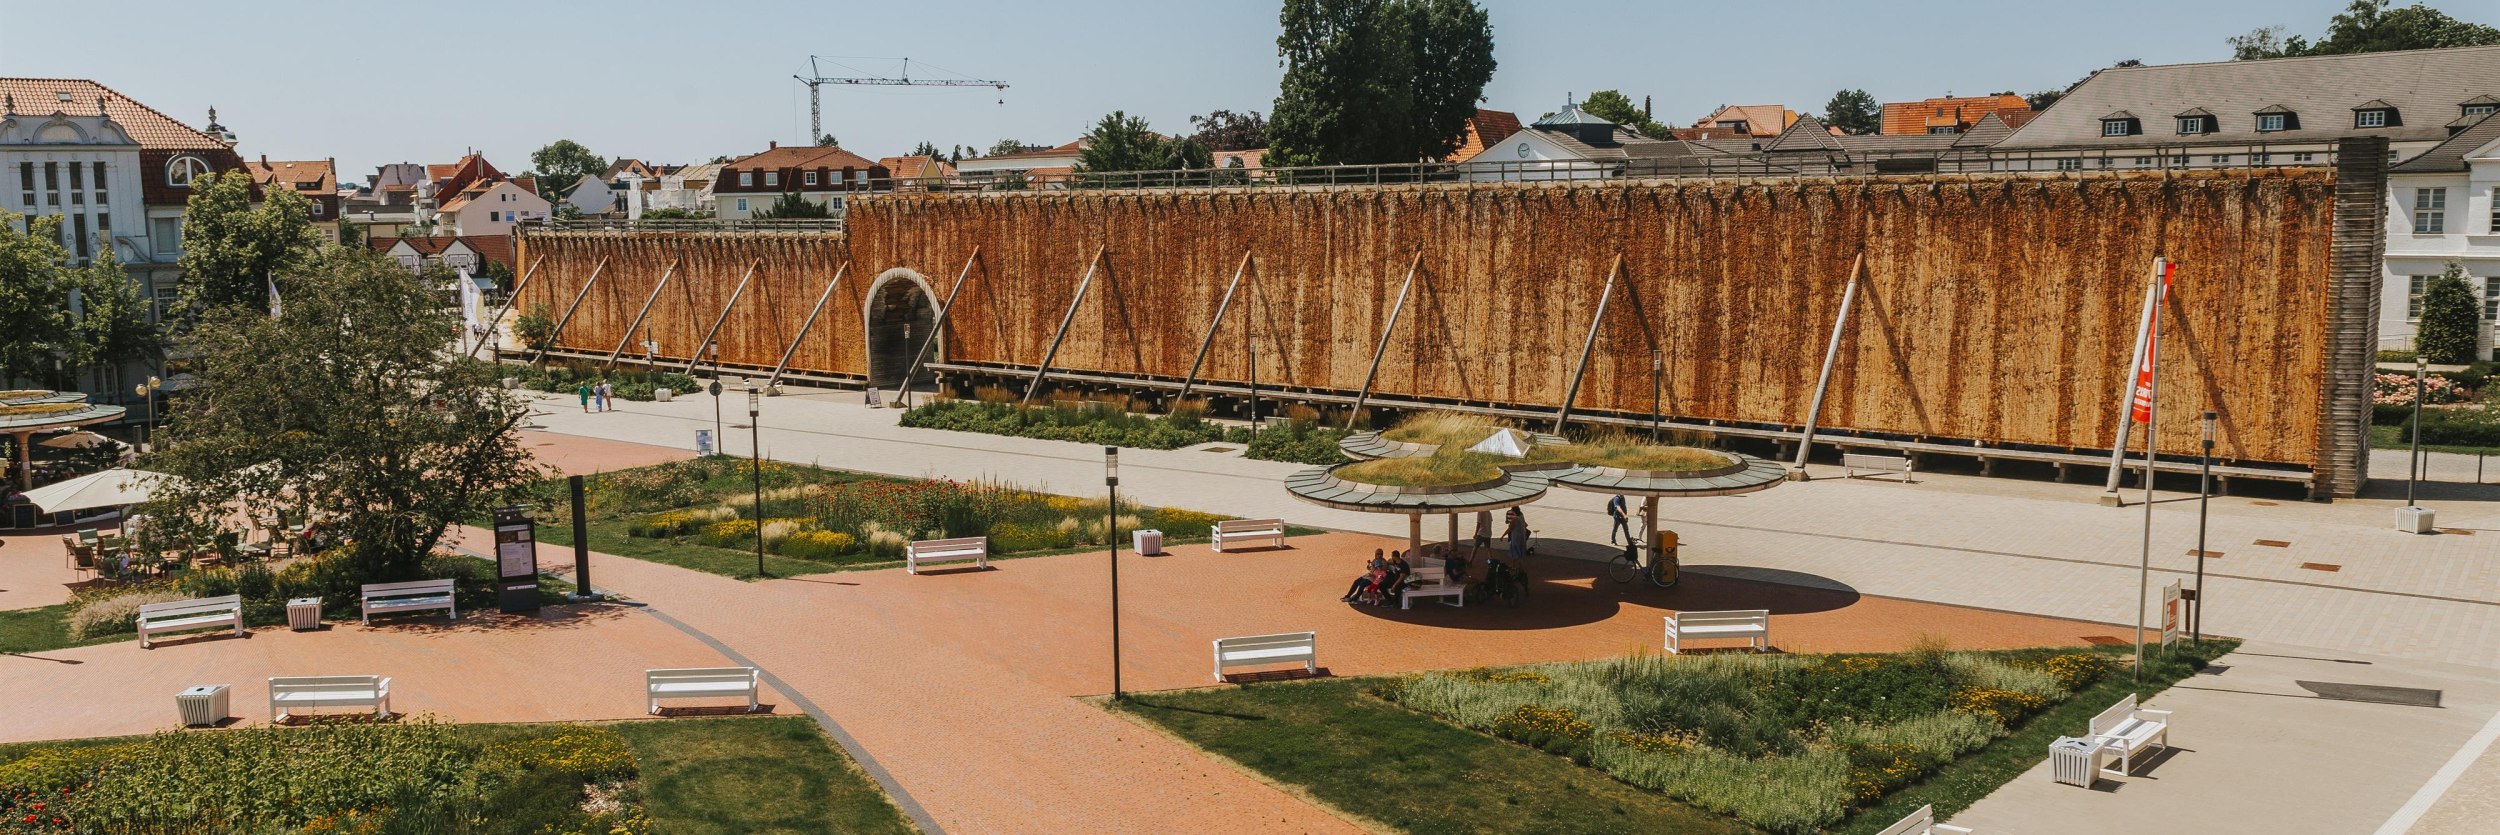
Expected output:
(2392, 437)
(754, 775)
(608, 537)
(42, 629)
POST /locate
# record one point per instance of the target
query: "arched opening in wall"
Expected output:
(901, 312)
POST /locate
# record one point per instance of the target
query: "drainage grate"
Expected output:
(2319, 566)
(2409, 696)
(2274, 543)
(2211, 555)
(1217, 449)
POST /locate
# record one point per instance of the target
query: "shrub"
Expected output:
(728, 534)
(1560, 731)
(118, 615)
(665, 525)
(2451, 318)
(818, 545)
(1300, 442)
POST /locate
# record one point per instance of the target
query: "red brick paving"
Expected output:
(577, 455)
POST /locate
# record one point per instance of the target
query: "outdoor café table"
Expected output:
(253, 550)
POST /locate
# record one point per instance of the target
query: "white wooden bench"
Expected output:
(1271, 531)
(411, 596)
(700, 682)
(328, 691)
(1852, 462)
(2128, 729)
(974, 548)
(1754, 625)
(1431, 579)
(1254, 650)
(1923, 822)
(181, 615)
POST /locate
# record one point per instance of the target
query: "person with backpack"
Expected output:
(1615, 508)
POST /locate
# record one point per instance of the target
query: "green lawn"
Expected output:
(1379, 761)
(754, 775)
(43, 629)
(1415, 773)
(607, 536)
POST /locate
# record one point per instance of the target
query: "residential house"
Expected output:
(2443, 207)
(315, 180)
(1952, 114)
(629, 182)
(1809, 147)
(1247, 159)
(1034, 166)
(491, 208)
(1573, 144)
(686, 189)
(118, 173)
(918, 173)
(470, 252)
(826, 176)
(1759, 121)
(593, 196)
(1483, 130)
(387, 202)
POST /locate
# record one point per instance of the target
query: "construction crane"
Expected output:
(815, 79)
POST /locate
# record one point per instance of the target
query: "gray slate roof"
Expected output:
(2450, 155)
(1628, 144)
(2427, 87)
(1809, 135)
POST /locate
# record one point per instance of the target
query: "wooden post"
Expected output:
(1082, 284)
(714, 332)
(812, 313)
(665, 275)
(902, 397)
(1823, 380)
(1588, 345)
(568, 312)
(2126, 394)
(1383, 349)
(508, 302)
(1209, 341)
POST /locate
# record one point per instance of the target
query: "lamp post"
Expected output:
(2413, 459)
(720, 445)
(2204, 494)
(1111, 526)
(147, 392)
(755, 457)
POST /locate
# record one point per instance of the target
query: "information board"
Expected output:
(516, 559)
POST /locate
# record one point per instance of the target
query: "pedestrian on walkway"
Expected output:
(1484, 531)
(584, 390)
(1615, 510)
(1517, 534)
(607, 396)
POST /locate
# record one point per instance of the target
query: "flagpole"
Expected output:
(2152, 411)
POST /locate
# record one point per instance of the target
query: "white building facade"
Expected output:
(2443, 207)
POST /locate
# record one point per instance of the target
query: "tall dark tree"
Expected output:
(563, 163)
(2451, 318)
(2042, 99)
(1224, 130)
(2368, 26)
(1377, 81)
(34, 301)
(232, 251)
(827, 141)
(1854, 111)
(791, 206)
(927, 149)
(1614, 106)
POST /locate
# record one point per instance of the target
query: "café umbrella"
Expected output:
(118, 487)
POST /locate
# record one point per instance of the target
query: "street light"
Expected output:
(2204, 493)
(755, 458)
(1111, 479)
(147, 391)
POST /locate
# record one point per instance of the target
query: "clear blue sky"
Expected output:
(370, 83)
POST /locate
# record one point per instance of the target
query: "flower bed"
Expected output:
(1791, 744)
(1092, 422)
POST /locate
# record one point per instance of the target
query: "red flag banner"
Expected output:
(2142, 402)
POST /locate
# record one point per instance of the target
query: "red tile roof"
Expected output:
(1483, 129)
(789, 160)
(1912, 118)
(916, 167)
(146, 126)
(294, 174)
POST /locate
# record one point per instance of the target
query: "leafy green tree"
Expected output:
(1614, 106)
(927, 149)
(233, 251)
(563, 163)
(2368, 26)
(2042, 99)
(34, 301)
(568, 211)
(827, 141)
(535, 327)
(2451, 318)
(113, 324)
(1853, 111)
(349, 407)
(1004, 147)
(352, 234)
(1377, 81)
(790, 206)
(1224, 130)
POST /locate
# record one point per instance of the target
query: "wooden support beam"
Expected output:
(902, 394)
(714, 332)
(1588, 345)
(810, 322)
(1823, 380)
(568, 312)
(647, 301)
(1382, 349)
(1082, 284)
(1212, 327)
(506, 308)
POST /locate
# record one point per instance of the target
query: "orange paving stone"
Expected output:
(577, 455)
(34, 570)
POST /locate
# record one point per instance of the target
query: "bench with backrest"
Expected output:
(1431, 579)
(972, 548)
(1754, 625)
(2127, 729)
(1257, 650)
(287, 692)
(1231, 531)
(700, 683)
(1852, 462)
(1923, 822)
(410, 596)
(182, 615)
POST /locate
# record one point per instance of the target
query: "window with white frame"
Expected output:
(2491, 298)
(165, 233)
(2430, 211)
(772, 178)
(2191, 124)
(2304, 156)
(2260, 159)
(2069, 164)
(2369, 118)
(746, 178)
(2115, 127)
(742, 204)
(180, 171)
(2495, 211)
(2222, 159)
(2107, 162)
(2142, 162)
(808, 177)
(2413, 295)
(2480, 109)
(2269, 123)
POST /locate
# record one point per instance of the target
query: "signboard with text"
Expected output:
(516, 559)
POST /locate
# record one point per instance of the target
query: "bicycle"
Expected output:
(1663, 572)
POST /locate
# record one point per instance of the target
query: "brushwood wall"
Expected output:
(1999, 309)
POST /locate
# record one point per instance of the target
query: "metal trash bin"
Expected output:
(2074, 760)
(303, 614)
(662, 395)
(204, 704)
(1149, 543)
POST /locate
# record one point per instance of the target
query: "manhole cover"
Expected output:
(1217, 449)
(2412, 696)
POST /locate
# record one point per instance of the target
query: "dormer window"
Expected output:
(2375, 114)
(2192, 124)
(2277, 118)
(809, 177)
(772, 178)
(2121, 123)
(2198, 121)
(182, 169)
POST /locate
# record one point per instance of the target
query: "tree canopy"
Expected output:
(64, 318)
(563, 163)
(1224, 130)
(1377, 81)
(1614, 106)
(2451, 318)
(347, 405)
(2368, 26)
(927, 149)
(232, 251)
(827, 141)
(1004, 147)
(791, 206)
(1121, 142)
(1854, 111)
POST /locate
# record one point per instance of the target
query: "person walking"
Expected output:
(606, 396)
(1484, 532)
(584, 390)
(1615, 508)
(1517, 534)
